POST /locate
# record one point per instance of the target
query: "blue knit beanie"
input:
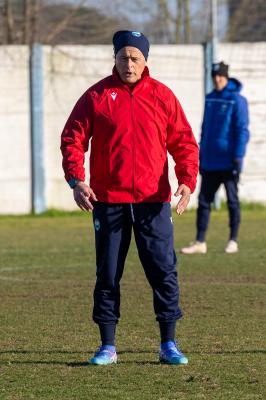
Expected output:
(131, 38)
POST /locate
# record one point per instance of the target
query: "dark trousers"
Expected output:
(210, 183)
(153, 230)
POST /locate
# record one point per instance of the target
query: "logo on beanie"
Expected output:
(137, 34)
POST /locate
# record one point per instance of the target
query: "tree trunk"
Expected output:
(187, 22)
(26, 21)
(9, 22)
(178, 24)
(34, 17)
(164, 16)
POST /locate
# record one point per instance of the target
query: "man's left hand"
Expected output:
(236, 166)
(185, 193)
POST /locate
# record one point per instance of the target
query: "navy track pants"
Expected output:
(153, 230)
(210, 183)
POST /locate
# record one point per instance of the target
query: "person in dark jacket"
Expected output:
(131, 121)
(223, 143)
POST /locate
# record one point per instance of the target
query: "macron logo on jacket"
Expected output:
(113, 95)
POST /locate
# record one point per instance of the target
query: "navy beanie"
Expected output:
(220, 69)
(131, 38)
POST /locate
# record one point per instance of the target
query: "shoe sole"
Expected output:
(195, 252)
(99, 363)
(92, 362)
(162, 361)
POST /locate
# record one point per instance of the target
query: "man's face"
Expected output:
(219, 82)
(130, 63)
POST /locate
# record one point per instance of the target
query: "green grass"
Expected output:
(47, 273)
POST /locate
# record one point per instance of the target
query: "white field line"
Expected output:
(8, 278)
(26, 267)
(10, 269)
(12, 279)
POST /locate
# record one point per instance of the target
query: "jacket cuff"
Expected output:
(188, 184)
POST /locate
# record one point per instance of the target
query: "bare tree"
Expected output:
(53, 22)
(26, 25)
(31, 12)
(187, 24)
(61, 26)
(246, 20)
(182, 22)
(169, 25)
(178, 21)
(8, 21)
(165, 20)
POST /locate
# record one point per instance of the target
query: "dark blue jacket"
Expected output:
(224, 129)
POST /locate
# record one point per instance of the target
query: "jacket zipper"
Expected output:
(133, 145)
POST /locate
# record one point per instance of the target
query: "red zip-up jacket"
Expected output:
(130, 132)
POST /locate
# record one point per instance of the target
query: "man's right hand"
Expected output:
(83, 196)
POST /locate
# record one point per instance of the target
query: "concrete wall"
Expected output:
(70, 70)
(14, 130)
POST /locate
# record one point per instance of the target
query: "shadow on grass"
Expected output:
(45, 362)
(40, 352)
(256, 351)
(78, 364)
(75, 364)
(128, 362)
(136, 351)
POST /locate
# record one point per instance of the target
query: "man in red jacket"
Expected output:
(131, 121)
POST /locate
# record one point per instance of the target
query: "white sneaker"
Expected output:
(195, 248)
(231, 247)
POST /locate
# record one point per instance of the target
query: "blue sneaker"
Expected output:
(104, 356)
(170, 354)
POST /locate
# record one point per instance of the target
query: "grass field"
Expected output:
(47, 273)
